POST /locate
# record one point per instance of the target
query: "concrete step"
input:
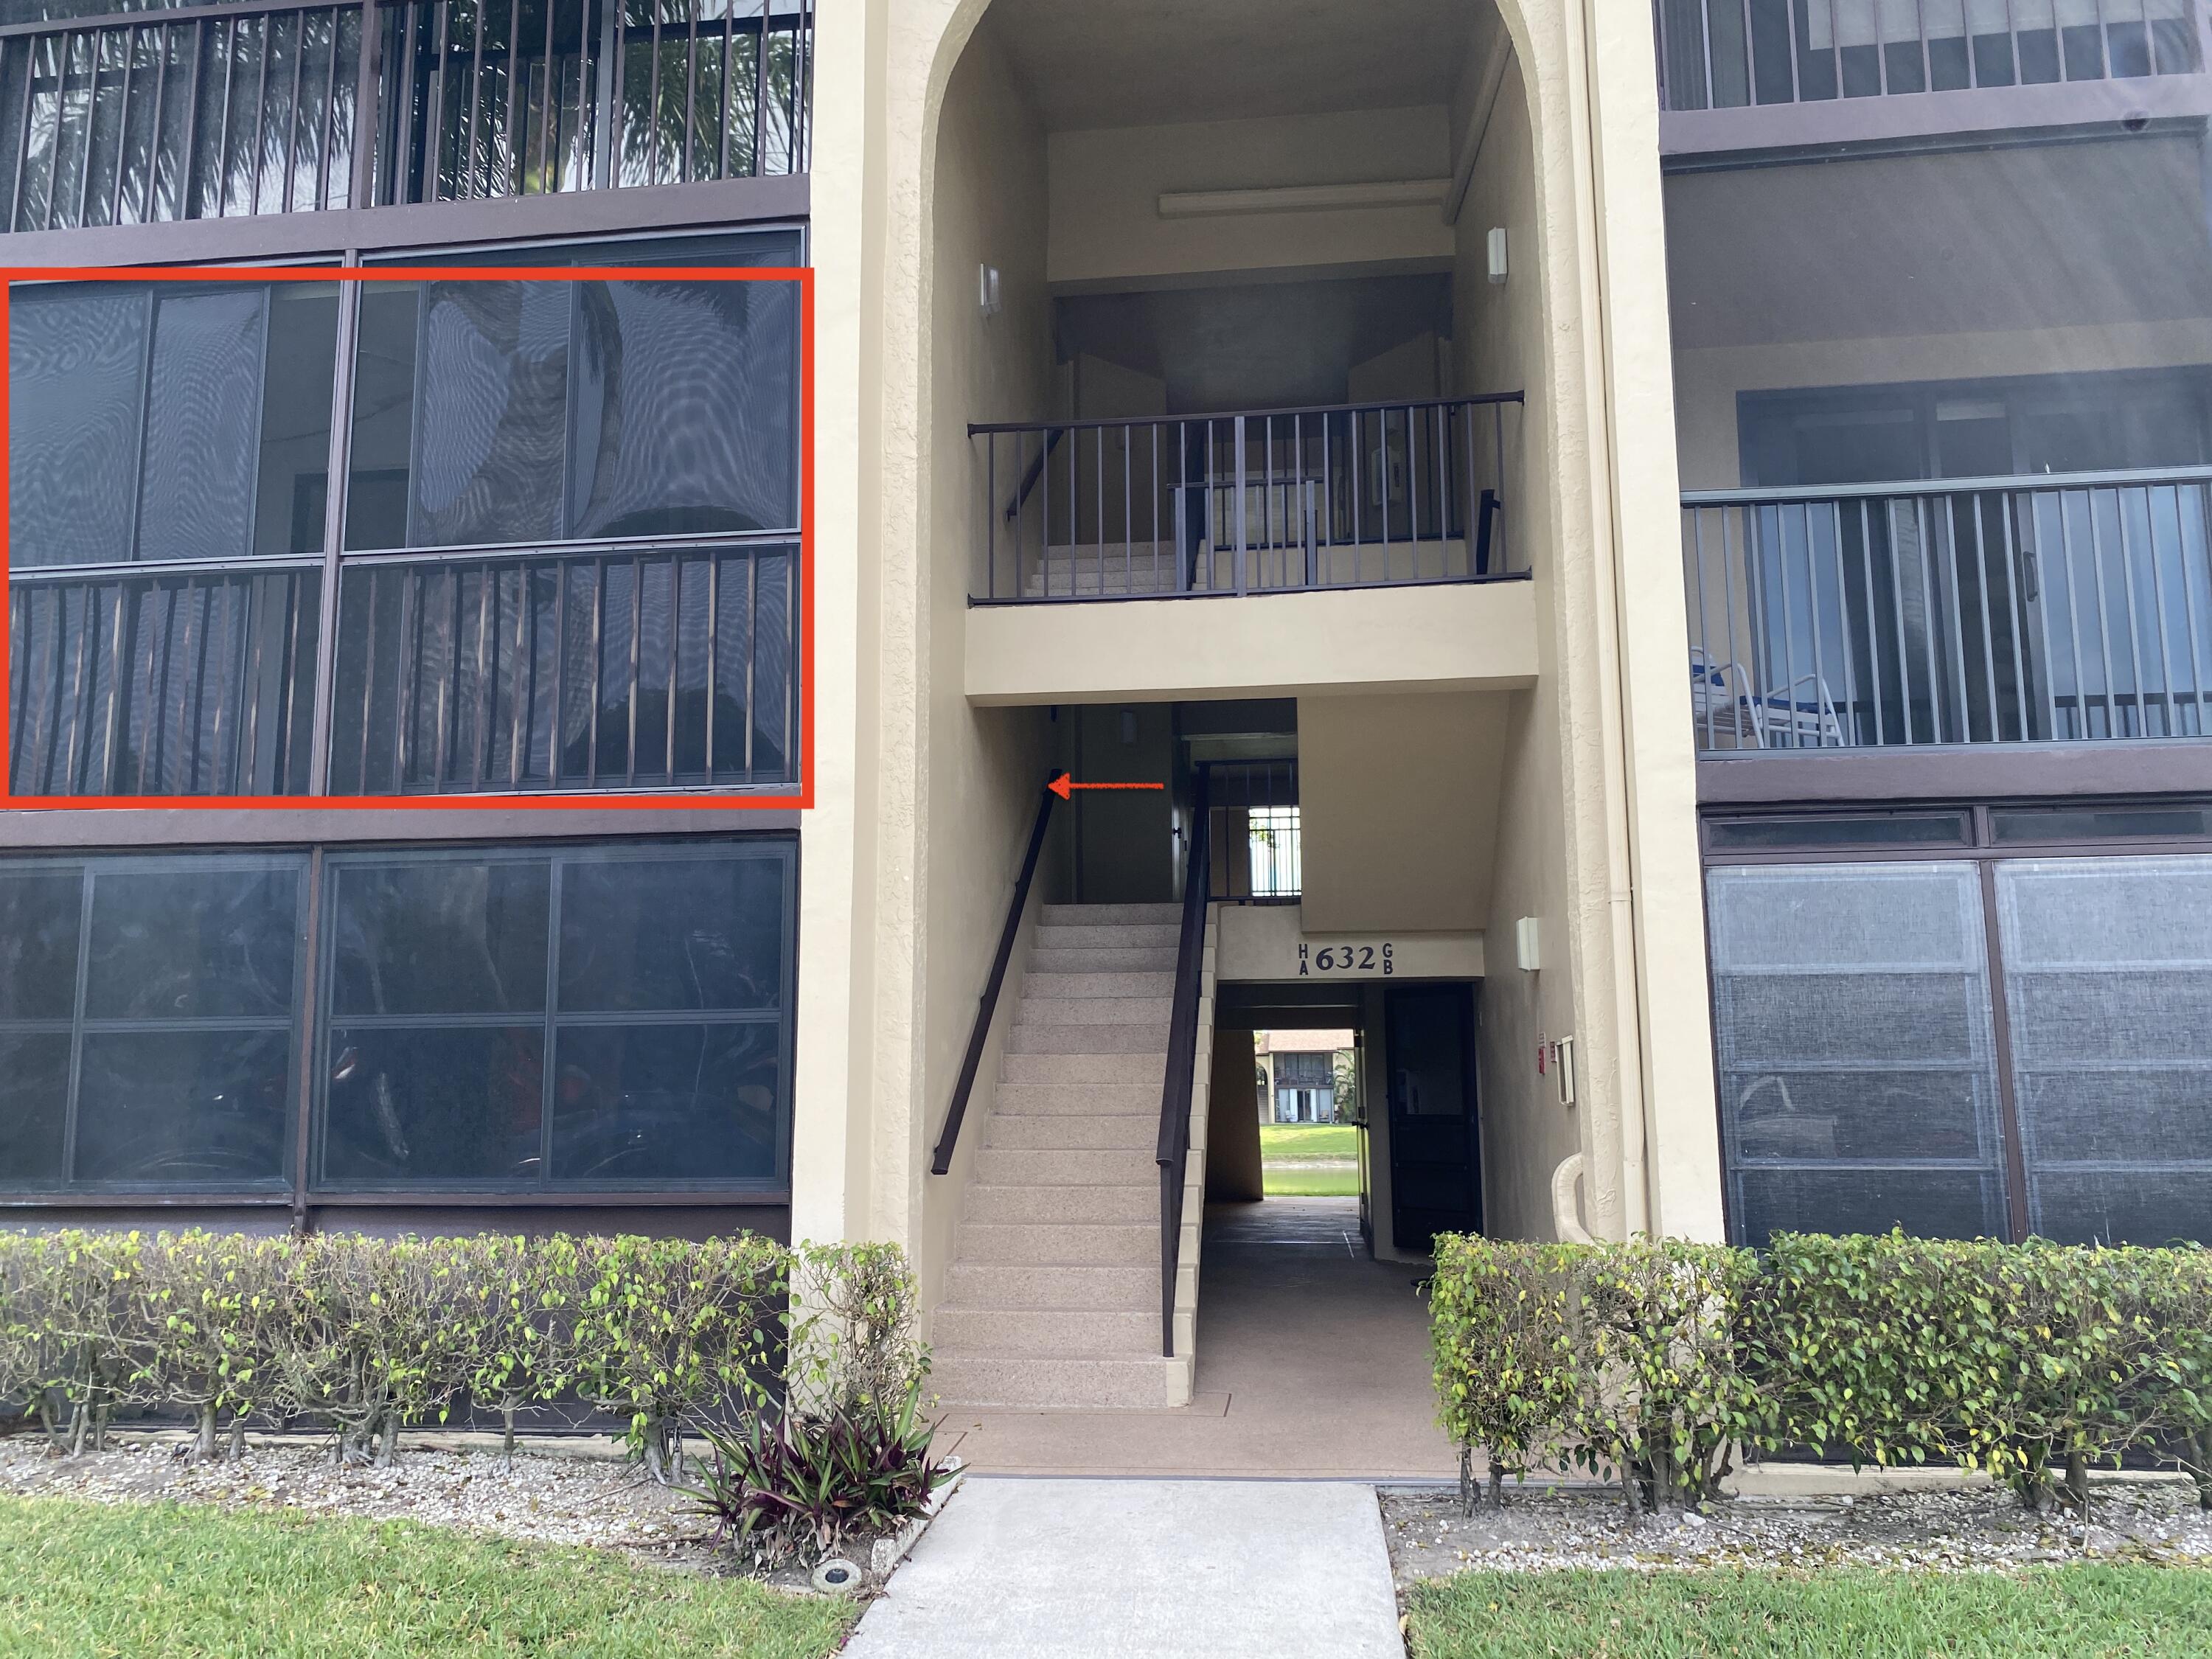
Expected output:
(1064, 1132)
(1092, 1011)
(1141, 959)
(1148, 1038)
(1001, 1166)
(1123, 1205)
(1123, 1285)
(1073, 1244)
(1099, 987)
(1081, 1099)
(1080, 915)
(1039, 1010)
(1100, 1383)
(1066, 1069)
(1048, 1332)
(1114, 936)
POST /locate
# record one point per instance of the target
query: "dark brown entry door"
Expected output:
(1436, 1176)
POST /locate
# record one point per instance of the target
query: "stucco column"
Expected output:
(1632, 438)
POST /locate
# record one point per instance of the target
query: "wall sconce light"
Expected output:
(1528, 945)
(1498, 254)
(989, 291)
(1563, 1052)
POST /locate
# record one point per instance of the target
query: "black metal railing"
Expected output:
(202, 111)
(2059, 607)
(665, 667)
(1353, 496)
(186, 682)
(1255, 834)
(979, 1034)
(1173, 1148)
(1723, 54)
(252, 107)
(485, 99)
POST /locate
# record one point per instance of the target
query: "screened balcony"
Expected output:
(2059, 607)
(534, 575)
(169, 112)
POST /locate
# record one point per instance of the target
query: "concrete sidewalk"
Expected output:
(1053, 1569)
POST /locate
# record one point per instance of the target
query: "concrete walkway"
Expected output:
(1313, 1362)
(1051, 1569)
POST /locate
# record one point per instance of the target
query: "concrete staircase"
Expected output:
(1053, 1296)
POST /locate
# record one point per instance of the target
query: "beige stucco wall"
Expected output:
(1398, 810)
(900, 774)
(986, 766)
(1271, 645)
(1106, 187)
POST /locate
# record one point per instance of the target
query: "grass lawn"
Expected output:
(145, 1578)
(2089, 1611)
(1307, 1140)
(1310, 1183)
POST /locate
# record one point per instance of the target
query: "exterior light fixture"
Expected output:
(1528, 945)
(989, 287)
(1498, 254)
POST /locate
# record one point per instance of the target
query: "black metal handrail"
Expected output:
(1246, 501)
(1173, 1148)
(940, 1161)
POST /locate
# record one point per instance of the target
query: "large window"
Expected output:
(1986, 1045)
(576, 1021)
(571, 1020)
(147, 1022)
(619, 459)
(1858, 1062)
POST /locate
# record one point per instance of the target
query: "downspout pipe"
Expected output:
(1612, 711)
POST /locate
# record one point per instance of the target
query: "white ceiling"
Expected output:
(2031, 237)
(1147, 63)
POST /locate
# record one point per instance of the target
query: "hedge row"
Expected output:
(370, 1335)
(1651, 1362)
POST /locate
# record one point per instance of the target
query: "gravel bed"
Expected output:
(549, 1499)
(1979, 1528)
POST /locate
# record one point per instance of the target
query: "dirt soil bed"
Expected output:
(1981, 1528)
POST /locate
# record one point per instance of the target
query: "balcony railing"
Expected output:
(254, 106)
(665, 666)
(2016, 610)
(1351, 496)
(1729, 54)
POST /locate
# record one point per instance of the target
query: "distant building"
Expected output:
(1301, 1074)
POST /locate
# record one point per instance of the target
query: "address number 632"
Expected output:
(1345, 959)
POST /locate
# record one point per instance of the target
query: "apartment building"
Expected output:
(1332, 433)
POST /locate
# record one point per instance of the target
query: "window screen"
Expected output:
(501, 412)
(2108, 972)
(146, 1022)
(174, 421)
(1858, 1065)
(583, 1019)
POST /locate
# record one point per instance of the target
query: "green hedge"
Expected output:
(370, 1335)
(1651, 1362)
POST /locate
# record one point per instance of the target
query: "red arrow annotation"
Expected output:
(1061, 785)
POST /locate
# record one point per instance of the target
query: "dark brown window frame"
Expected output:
(303, 1200)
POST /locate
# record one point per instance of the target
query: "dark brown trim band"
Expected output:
(722, 203)
(1955, 772)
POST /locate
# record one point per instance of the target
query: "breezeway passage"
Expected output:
(1018, 1569)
